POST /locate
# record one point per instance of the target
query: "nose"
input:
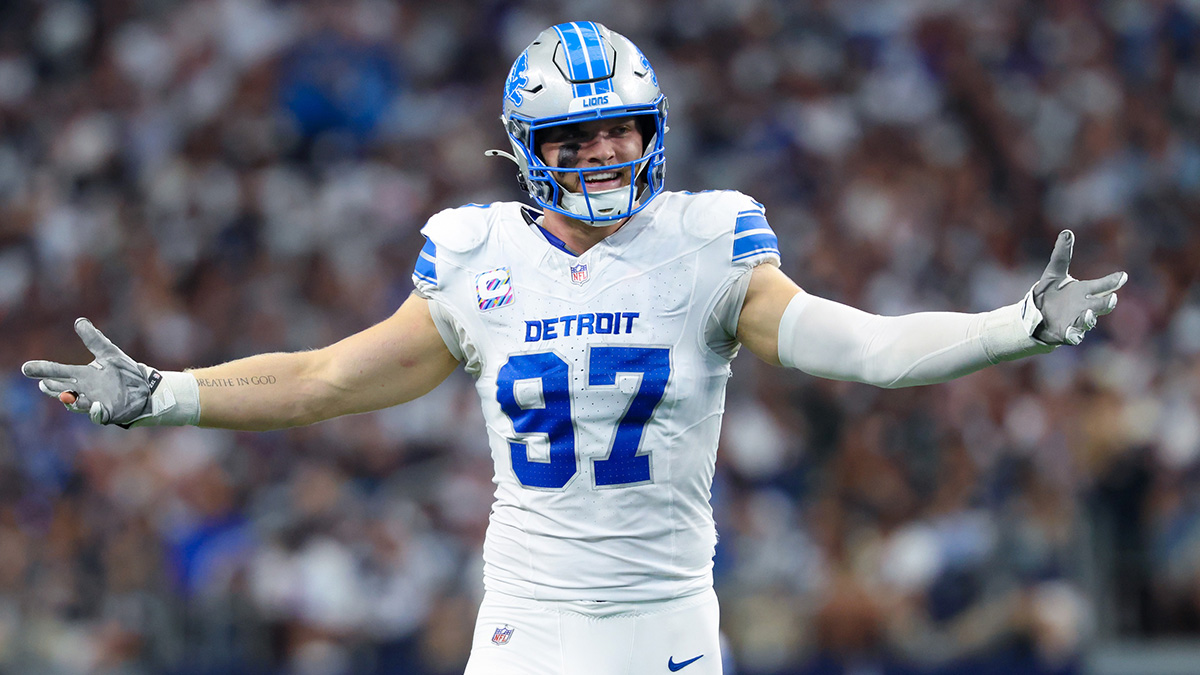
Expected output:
(601, 150)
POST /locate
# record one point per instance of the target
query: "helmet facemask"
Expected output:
(598, 207)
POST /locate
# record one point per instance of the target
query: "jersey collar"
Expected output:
(615, 240)
(555, 241)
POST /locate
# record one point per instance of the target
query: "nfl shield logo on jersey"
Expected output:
(493, 289)
(503, 634)
(579, 274)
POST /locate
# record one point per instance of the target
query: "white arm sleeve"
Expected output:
(832, 340)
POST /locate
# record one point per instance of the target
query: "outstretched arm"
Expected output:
(783, 325)
(397, 360)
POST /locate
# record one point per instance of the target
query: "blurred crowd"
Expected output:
(207, 179)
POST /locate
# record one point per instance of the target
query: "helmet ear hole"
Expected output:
(647, 126)
(535, 144)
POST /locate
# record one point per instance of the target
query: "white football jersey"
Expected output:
(602, 379)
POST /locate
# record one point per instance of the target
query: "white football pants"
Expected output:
(518, 636)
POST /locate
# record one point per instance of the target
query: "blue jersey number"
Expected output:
(623, 466)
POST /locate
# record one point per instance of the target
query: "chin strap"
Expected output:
(606, 203)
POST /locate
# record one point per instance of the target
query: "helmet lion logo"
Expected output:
(647, 66)
(517, 79)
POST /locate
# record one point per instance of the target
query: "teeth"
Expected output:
(598, 177)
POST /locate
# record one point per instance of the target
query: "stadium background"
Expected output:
(207, 179)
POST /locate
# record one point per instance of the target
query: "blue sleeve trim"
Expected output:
(758, 250)
(751, 220)
(753, 236)
(426, 267)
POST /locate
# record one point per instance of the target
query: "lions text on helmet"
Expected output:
(586, 119)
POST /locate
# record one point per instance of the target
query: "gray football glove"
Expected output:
(1070, 307)
(112, 389)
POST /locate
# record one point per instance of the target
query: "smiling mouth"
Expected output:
(603, 180)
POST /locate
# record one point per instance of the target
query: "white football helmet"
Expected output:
(575, 72)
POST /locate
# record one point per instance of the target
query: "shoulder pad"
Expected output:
(460, 229)
(717, 215)
(733, 203)
(714, 213)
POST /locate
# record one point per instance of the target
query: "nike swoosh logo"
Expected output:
(672, 666)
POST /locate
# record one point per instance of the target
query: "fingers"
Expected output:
(73, 400)
(1086, 321)
(1103, 305)
(1105, 285)
(78, 387)
(1082, 324)
(40, 370)
(98, 413)
(55, 387)
(65, 390)
(1101, 293)
(80, 405)
(93, 339)
(1089, 320)
(1060, 258)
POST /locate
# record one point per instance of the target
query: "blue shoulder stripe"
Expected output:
(426, 267)
(753, 236)
(756, 245)
(751, 220)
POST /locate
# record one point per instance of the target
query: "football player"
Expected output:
(599, 325)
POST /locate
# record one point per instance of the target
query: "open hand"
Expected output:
(1069, 306)
(112, 389)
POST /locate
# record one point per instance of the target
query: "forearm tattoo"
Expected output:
(257, 380)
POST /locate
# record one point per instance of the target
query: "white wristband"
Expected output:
(1008, 332)
(174, 403)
